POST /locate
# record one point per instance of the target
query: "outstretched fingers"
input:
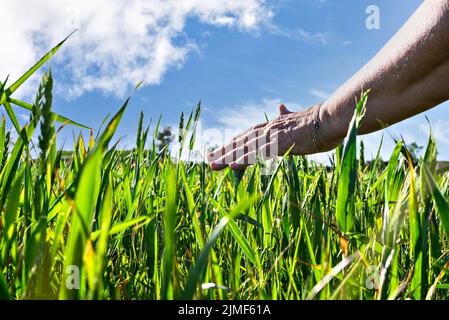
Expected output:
(265, 152)
(244, 149)
(245, 152)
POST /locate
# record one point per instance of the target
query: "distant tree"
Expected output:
(415, 150)
(164, 138)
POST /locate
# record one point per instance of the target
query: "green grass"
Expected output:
(141, 224)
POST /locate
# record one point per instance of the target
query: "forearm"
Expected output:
(408, 76)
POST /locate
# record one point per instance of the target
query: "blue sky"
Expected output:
(305, 51)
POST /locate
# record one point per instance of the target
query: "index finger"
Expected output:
(236, 142)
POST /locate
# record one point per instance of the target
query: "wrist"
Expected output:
(329, 135)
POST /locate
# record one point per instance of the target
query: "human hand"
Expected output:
(300, 130)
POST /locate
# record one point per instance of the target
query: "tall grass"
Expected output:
(102, 223)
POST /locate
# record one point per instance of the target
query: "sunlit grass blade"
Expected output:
(36, 67)
(197, 271)
(348, 171)
(415, 233)
(119, 227)
(4, 291)
(8, 173)
(237, 233)
(58, 117)
(440, 202)
(10, 216)
(12, 116)
(169, 233)
(85, 200)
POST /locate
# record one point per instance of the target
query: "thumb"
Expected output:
(283, 110)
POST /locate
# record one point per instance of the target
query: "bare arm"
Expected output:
(408, 76)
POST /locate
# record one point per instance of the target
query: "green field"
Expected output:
(103, 223)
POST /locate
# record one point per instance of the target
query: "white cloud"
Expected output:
(242, 116)
(319, 94)
(440, 130)
(306, 36)
(119, 43)
(299, 34)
